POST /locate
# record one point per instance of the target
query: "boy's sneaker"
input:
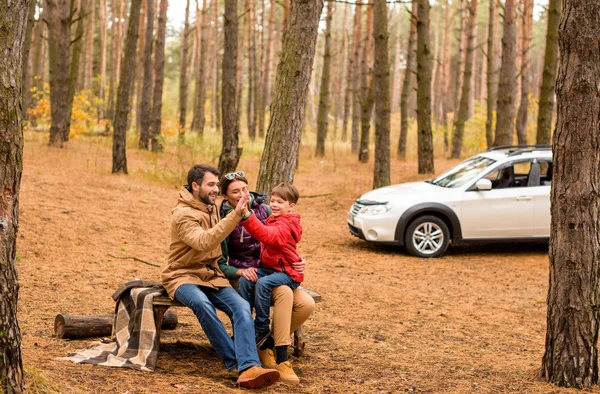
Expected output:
(261, 337)
(286, 373)
(256, 377)
(267, 358)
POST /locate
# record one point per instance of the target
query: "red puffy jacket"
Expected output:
(279, 237)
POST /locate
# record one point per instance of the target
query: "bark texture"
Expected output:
(323, 112)
(571, 356)
(159, 78)
(230, 152)
(13, 14)
(425, 136)
(505, 118)
(491, 75)
(368, 89)
(146, 103)
(527, 25)
(278, 161)
(407, 84)
(123, 105)
(546, 106)
(183, 82)
(199, 117)
(355, 72)
(381, 71)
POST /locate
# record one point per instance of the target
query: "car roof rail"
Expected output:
(521, 147)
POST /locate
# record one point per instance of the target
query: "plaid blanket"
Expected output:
(134, 343)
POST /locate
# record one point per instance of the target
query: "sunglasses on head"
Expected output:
(232, 175)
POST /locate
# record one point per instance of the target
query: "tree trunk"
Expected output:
(356, 39)
(571, 356)
(26, 78)
(115, 56)
(546, 106)
(459, 57)
(279, 157)
(266, 88)
(527, 23)
(506, 87)
(425, 137)
(348, 66)
(199, 118)
(368, 90)
(126, 79)
(445, 80)
(74, 66)
(463, 110)
(491, 74)
(183, 82)
(381, 67)
(230, 152)
(103, 38)
(250, 103)
(89, 47)
(215, 103)
(59, 35)
(38, 65)
(159, 78)
(146, 103)
(407, 84)
(322, 121)
(139, 78)
(13, 14)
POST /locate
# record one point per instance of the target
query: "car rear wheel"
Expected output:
(427, 236)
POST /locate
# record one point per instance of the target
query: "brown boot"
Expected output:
(256, 377)
(267, 359)
(286, 373)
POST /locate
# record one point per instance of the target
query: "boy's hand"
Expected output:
(243, 203)
(299, 266)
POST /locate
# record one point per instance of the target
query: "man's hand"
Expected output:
(248, 273)
(243, 203)
(299, 266)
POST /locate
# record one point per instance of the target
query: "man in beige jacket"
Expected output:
(193, 277)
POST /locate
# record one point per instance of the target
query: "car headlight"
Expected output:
(375, 209)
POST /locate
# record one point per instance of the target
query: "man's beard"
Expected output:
(205, 198)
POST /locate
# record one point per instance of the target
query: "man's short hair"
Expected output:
(287, 192)
(196, 173)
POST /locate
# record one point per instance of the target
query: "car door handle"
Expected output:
(524, 198)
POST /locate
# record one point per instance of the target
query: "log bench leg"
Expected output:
(298, 342)
(159, 312)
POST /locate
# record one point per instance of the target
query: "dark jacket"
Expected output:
(240, 249)
(279, 237)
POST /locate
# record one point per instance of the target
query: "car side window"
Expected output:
(511, 175)
(545, 173)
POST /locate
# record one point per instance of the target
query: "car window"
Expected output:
(463, 172)
(511, 175)
(545, 173)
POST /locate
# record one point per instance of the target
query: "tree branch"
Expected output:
(134, 258)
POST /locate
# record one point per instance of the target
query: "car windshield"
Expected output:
(463, 173)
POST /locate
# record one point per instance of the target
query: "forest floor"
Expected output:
(472, 321)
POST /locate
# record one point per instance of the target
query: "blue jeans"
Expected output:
(239, 352)
(259, 294)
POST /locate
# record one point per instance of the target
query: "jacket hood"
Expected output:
(186, 198)
(293, 222)
(255, 200)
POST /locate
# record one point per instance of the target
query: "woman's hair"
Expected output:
(224, 183)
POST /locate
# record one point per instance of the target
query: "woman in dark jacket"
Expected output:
(240, 260)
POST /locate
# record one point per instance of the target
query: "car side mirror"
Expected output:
(483, 184)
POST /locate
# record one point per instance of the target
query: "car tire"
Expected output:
(427, 236)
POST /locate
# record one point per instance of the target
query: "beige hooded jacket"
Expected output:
(196, 236)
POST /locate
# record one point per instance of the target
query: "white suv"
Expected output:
(502, 194)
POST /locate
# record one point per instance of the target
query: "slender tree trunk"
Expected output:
(573, 317)
(199, 117)
(348, 65)
(250, 103)
(123, 106)
(13, 14)
(256, 63)
(322, 121)
(215, 102)
(183, 82)
(38, 65)
(368, 90)
(26, 77)
(59, 29)
(115, 55)
(139, 79)
(356, 93)
(445, 80)
(146, 103)
(505, 122)
(546, 106)
(239, 72)
(407, 84)
(74, 66)
(89, 47)
(425, 137)
(341, 64)
(459, 57)
(463, 110)
(159, 78)
(381, 66)
(491, 74)
(230, 152)
(527, 23)
(103, 38)
(266, 88)
(282, 142)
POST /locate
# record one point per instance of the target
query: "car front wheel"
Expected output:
(427, 236)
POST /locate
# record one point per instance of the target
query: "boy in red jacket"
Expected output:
(279, 237)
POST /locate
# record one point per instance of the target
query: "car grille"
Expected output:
(356, 208)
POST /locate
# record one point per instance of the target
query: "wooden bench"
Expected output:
(162, 304)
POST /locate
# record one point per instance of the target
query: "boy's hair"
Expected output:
(224, 183)
(196, 173)
(287, 192)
